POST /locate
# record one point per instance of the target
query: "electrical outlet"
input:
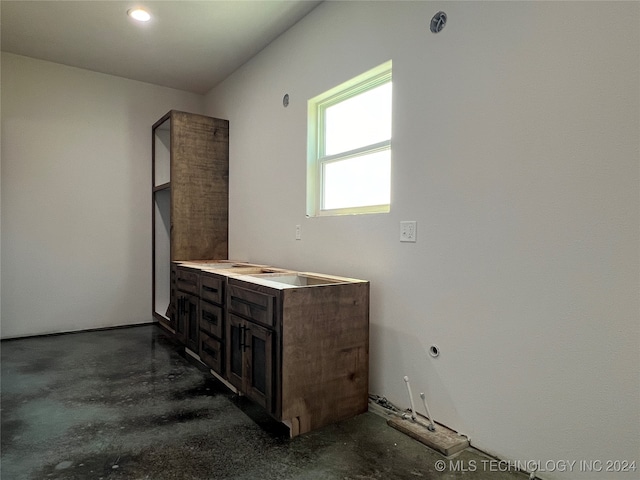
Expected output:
(298, 232)
(408, 232)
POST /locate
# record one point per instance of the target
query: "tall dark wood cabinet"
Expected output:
(190, 175)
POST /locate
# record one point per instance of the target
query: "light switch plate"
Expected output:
(408, 231)
(298, 232)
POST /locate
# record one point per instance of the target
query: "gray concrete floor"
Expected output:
(125, 403)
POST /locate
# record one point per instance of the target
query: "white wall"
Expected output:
(76, 196)
(515, 147)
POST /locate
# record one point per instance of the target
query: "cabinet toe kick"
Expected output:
(299, 425)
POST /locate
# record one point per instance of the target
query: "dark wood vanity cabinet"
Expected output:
(295, 343)
(301, 352)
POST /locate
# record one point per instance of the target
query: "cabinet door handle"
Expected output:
(243, 334)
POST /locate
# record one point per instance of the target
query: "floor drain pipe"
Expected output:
(431, 427)
(413, 408)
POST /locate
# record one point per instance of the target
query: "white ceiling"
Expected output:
(189, 45)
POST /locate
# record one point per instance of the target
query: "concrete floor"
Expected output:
(125, 403)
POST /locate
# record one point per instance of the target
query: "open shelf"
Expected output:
(164, 186)
(162, 153)
(162, 251)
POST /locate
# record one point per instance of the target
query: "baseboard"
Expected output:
(71, 332)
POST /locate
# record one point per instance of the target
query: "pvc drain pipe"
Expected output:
(431, 427)
(413, 408)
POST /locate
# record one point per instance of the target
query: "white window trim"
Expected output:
(315, 145)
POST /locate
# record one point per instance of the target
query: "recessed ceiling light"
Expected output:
(139, 14)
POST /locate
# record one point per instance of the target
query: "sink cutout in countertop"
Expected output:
(296, 280)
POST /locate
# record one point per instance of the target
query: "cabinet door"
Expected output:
(186, 325)
(235, 348)
(258, 359)
(172, 312)
(192, 325)
(180, 317)
(249, 350)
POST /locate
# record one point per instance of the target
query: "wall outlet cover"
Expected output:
(408, 231)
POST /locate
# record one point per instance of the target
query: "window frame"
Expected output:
(316, 158)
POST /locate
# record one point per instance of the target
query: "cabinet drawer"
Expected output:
(211, 319)
(211, 289)
(187, 281)
(211, 352)
(256, 306)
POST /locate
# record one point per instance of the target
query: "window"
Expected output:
(349, 146)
